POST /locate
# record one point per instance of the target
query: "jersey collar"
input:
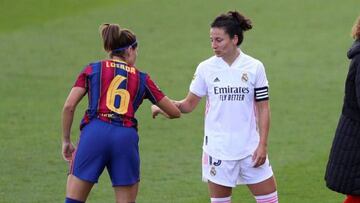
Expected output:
(235, 62)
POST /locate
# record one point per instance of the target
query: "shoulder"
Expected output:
(208, 63)
(249, 59)
(254, 65)
(356, 59)
(141, 73)
(144, 77)
(211, 60)
(96, 63)
(93, 66)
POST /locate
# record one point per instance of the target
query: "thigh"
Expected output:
(91, 153)
(124, 163)
(219, 191)
(77, 189)
(260, 180)
(126, 194)
(263, 188)
(250, 175)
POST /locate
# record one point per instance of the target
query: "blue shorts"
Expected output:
(103, 145)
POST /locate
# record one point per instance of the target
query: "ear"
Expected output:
(128, 51)
(235, 39)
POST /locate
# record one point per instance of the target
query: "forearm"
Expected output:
(188, 104)
(76, 94)
(264, 126)
(67, 119)
(184, 107)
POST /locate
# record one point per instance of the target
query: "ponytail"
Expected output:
(116, 40)
(244, 22)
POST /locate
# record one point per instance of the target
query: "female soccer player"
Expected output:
(109, 138)
(343, 169)
(237, 114)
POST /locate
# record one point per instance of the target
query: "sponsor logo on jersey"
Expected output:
(229, 93)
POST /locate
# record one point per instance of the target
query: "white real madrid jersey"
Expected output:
(231, 92)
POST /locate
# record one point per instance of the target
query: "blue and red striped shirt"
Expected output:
(115, 91)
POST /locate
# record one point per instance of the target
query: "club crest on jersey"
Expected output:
(213, 171)
(244, 77)
(216, 79)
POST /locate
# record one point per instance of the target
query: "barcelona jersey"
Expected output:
(115, 91)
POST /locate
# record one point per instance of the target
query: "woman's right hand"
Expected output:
(67, 150)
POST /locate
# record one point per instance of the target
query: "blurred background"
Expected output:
(45, 44)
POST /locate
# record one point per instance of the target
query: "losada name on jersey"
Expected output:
(121, 66)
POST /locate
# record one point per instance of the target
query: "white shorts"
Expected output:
(234, 172)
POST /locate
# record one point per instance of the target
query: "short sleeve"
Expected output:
(152, 91)
(81, 80)
(198, 84)
(261, 84)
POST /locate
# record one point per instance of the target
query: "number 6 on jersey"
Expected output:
(113, 91)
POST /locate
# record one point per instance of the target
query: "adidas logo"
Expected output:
(216, 79)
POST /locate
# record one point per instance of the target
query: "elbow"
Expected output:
(176, 114)
(68, 107)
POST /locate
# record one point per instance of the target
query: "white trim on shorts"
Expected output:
(234, 172)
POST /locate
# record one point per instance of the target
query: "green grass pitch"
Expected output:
(45, 44)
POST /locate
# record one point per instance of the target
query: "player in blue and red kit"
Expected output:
(115, 90)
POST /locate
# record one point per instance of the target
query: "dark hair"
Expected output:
(233, 23)
(356, 29)
(116, 40)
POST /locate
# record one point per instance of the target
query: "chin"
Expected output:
(217, 54)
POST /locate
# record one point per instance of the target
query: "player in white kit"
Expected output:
(237, 115)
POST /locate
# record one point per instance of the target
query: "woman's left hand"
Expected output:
(155, 111)
(67, 150)
(259, 156)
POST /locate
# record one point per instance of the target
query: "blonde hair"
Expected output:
(356, 29)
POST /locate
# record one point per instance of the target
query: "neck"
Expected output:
(118, 58)
(229, 59)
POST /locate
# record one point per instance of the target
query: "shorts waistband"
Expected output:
(110, 115)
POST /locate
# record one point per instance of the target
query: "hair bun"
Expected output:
(244, 22)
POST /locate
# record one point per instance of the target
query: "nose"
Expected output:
(213, 45)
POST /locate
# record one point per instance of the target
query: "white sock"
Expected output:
(269, 198)
(221, 200)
